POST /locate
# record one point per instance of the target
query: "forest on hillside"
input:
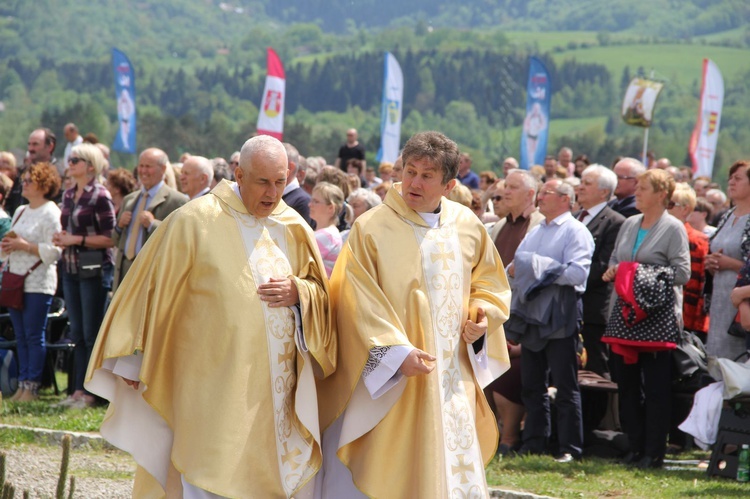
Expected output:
(200, 66)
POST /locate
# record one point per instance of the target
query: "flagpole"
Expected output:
(645, 135)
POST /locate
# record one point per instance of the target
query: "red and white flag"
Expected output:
(271, 112)
(706, 132)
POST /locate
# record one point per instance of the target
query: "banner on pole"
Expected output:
(271, 112)
(536, 124)
(125, 96)
(705, 135)
(390, 115)
(640, 99)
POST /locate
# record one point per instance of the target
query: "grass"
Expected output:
(593, 477)
(42, 414)
(597, 477)
(679, 63)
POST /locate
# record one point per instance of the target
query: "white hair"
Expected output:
(529, 180)
(204, 166)
(717, 192)
(264, 145)
(370, 198)
(635, 166)
(606, 178)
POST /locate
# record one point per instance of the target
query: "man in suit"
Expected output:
(597, 185)
(196, 176)
(294, 195)
(143, 210)
(627, 171)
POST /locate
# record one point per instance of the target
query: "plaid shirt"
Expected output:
(693, 313)
(92, 215)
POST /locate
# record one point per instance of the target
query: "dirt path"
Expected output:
(98, 473)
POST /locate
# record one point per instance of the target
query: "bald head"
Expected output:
(261, 146)
(627, 171)
(262, 174)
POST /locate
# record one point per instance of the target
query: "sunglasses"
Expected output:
(672, 205)
(497, 198)
(75, 161)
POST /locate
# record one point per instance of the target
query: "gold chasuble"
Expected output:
(400, 282)
(227, 397)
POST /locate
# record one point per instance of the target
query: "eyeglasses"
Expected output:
(75, 161)
(497, 198)
(672, 204)
(234, 163)
(27, 181)
(625, 177)
(547, 193)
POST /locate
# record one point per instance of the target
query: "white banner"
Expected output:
(390, 116)
(706, 132)
(271, 112)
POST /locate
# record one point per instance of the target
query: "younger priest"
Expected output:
(420, 296)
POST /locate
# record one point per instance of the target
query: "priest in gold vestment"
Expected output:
(420, 296)
(209, 350)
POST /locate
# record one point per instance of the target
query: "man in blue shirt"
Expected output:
(550, 269)
(465, 175)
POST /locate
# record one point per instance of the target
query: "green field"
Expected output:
(679, 64)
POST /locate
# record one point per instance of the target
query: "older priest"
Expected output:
(420, 297)
(208, 350)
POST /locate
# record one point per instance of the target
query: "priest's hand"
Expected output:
(475, 330)
(416, 363)
(279, 292)
(134, 384)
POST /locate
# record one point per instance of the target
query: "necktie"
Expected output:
(135, 226)
(583, 215)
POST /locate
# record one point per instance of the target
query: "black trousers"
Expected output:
(645, 391)
(558, 361)
(596, 351)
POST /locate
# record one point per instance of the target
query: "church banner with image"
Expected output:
(271, 112)
(125, 96)
(706, 132)
(639, 102)
(536, 123)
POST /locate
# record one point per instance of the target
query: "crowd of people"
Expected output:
(608, 266)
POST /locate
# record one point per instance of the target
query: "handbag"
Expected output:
(736, 329)
(11, 286)
(689, 362)
(90, 263)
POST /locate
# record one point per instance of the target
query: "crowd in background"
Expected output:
(76, 224)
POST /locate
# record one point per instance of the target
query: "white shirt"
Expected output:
(37, 225)
(593, 212)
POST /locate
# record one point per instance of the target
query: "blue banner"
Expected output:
(536, 124)
(390, 116)
(125, 96)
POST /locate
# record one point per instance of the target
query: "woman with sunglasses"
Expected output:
(28, 247)
(642, 341)
(88, 218)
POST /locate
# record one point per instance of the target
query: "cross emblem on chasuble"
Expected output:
(287, 357)
(289, 455)
(444, 255)
(463, 468)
